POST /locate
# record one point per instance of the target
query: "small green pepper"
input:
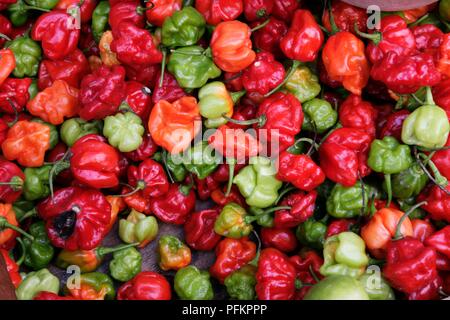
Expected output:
(319, 113)
(408, 183)
(37, 180)
(21, 207)
(54, 135)
(200, 160)
(138, 228)
(100, 282)
(389, 156)
(303, 83)
(264, 218)
(193, 284)
(38, 251)
(35, 282)
(43, 4)
(28, 55)
(347, 202)
(192, 67)
(232, 222)
(257, 182)
(183, 28)
(337, 288)
(100, 17)
(75, 128)
(18, 12)
(174, 164)
(312, 233)
(241, 283)
(124, 131)
(126, 264)
(376, 286)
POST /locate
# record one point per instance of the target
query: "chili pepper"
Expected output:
(173, 253)
(146, 150)
(262, 217)
(380, 291)
(146, 285)
(282, 239)
(441, 95)
(284, 9)
(94, 162)
(11, 181)
(27, 142)
(409, 183)
(138, 99)
(117, 205)
(86, 8)
(35, 282)
(441, 159)
(205, 187)
(7, 64)
(393, 124)
(215, 11)
(93, 286)
(126, 11)
(124, 131)
(344, 59)
(9, 226)
(232, 222)
(18, 11)
(100, 17)
(215, 101)
(301, 209)
(422, 229)
(169, 89)
(126, 264)
(38, 251)
(443, 63)
(174, 164)
(307, 265)
(268, 37)
(75, 218)
(257, 9)
(427, 126)
(183, 28)
(275, 276)
(14, 94)
(200, 160)
(303, 84)
(175, 206)
(108, 58)
(54, 136)
(27, 54)
(319, 115)
(75, 128)
(312, 233)
(241, 283)
(220, 198)
(338, 226)
(345, 17)
(138, 228)
(337, 287)
(166, 119)
(136, 200)
(358, 114)
(193, 284)
(199, 230)
(149, 177)
(157, 11)
(231, 46)
(87, 43)
(37, 180)
(438, 202)
(5, 29)
(12, 267)
(343, 155)
(347, 202)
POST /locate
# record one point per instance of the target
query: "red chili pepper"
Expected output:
(222, 173)
(343, 154)
(4, 128)
(268, 37)
(440, 241)
(71, 69)
(338, 226)
(50, 296)
(300, 170)
(94, 162)
(146, 285)
(57, 153)
(326, 79)
(282, 239)
(231, 255)
(205, 187)
(345, 16)
(306, 263)
(158, 10)
(143, 74)
(175, 206)
(304, 38)
(14, 94)
(5, 3)
(59, 38)
(134, 45)
(394, 124)
(146, 150)
(86, 7)
(246, 110)
(11, 181)
(359, 114)
(284, 9)
(216, 11)
(443, 56)
(87, 42)
(126, 11)
(12, 268)
(219, 197)
(441, 95)
(428, 37)
(76, 218)
(170, 90)
(302, 207)
(264, 74)
(5, 29)
(102, 92)
(422, 229)
(199, 229)
(257, 9)
(442, 160)
(149, 177)
(442, 262)
(275, 277)
(137, 201)
(438, 203)
(384, 111)
(138, 98)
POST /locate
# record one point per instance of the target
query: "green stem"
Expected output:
(4, 224)
(260, 121)
(102, 251)
(375, 37)
(29, 214)
(398, 230)
(429, 99)
(260, 26)
(164, 160)
(429, 175)
(16, 113)
(286, 190)
(4, 36)
(163, 67)
(334, 27)
(235, 96)
(185, 189)
(24, 252)
(419, 21)
(231, 167)
(291, 71)
(313, 274)
(387, 178)
(35, 8)
(139, 186)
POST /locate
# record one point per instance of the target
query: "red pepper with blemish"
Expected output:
(301, 205)
(126, 11)
(12, 268)
(76, 218)
(359, 114)
(149, 177)
(438, 202)
(268, 37)
(199, 229)
(146, 150)
(11, 181)
(282, 239)
(169, 90)
(394, 124)
(257, 9)
(338, 226)
(345, 17)
(216, 11)
(14, 94)
(138, 98)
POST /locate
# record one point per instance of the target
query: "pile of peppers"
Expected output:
(103, 127)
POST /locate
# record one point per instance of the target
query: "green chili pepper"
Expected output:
(100, 282)
(54, 135)
(407, 204)
(18, 12)
(257, 183)
(138, 228)
(28, 54)
(337, 288)
(264, 218)
(43, 4)
(124, 131)
(408, 183)
(126, 264)
(37, 180)
(75, 128)
(232, 222)
(200, 160)
(444, 10)
(38, 251)
(312, 233)
(35, 282)
(376, 286)
(192, 67)
(389, 156)
(193, 284)
(319, 113)
(303, 84)
(183, 28)
(347, 202)
(100, 18)
(21, 207)
(33, 89)
(241, 283)
(174, 164)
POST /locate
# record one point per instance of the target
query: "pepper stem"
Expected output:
(429, 98)
(4, 36)
(376, 37)
(16, 183)
(29, 214)
(163, 67)
(4, 224)
(102, 251)
(231, 166)
(313, 274)
(24, 252)
(260, 26)
(164, 160)
(334, 27)
(387, 178)
(291, 71)
(260, 121)
(185, 189)
(140, 185)
(273, 209)
(438, 179)
(35, 8)
(16, 113)
(255, 260)
(286, 190)
(235, 96)
(58, 167)
(398, 230)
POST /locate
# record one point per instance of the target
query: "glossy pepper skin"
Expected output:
(93, 286)
(303, 84)
(157, 11)
(268, 37)
(138, 228)
(442, 160)
(216, 11)
(75, 218)
(138, 99)
(199, 230)
(146, 285)
(126, 264)
(345, 16)
(275, 276)
(439, 241)
(302, 208)
(393, 124)
(100, 17)
(126, 11)
(409, 183)
(257, 9)
(345, 61)
(231, 46)
(86, 8)
(303, 39)
(346, 202)
(101, 92)
(232, 222)
(15, 92)
(319, 114)
(170, 90)
(8, 64)
(173, 253)
(75, 128)
(357, 113)
(36, 184)
(389, 156)
(27, 142)
(12, 267)
(7, 235)
(28, 54)
(124, 131)
(183, 28)
(231, 255)
(193, 284)
(10, 173)
(240, 284)
(35, 282)
(146, 150)
(438, 203)
(151, 174)
(214, 101)
(337, 287)
(5, 28)
(94, 162)
(312, 233)
(282, 239)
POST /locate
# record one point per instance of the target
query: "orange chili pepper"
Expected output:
(27, 142)
(7, 235)
(444, 56)
(378, 232)
(174, 254)
(55, 103)
(345, 61)
(109, 58)
(86, 292)
(117, 205)
(174, 125)
(413, 15)
(7, 64)
(231, 46)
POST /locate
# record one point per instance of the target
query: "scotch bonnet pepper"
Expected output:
(124, 131)
(301, 207)
(199, 230)
(126, 264)
(149, 177)
(193, 284)
(241, 283)
(302, 83)
(232, 222)
(157, 11)
(319, 114)
(183, 28)
(35, 282)
(214, 102)
(216, 11)
(11, 181)
(338, 287)
(28, 54)
(138, 228)
(100, 19)
(145, 286)
(93, 286)
(76, 128)
(347, 202)
(173, 253)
